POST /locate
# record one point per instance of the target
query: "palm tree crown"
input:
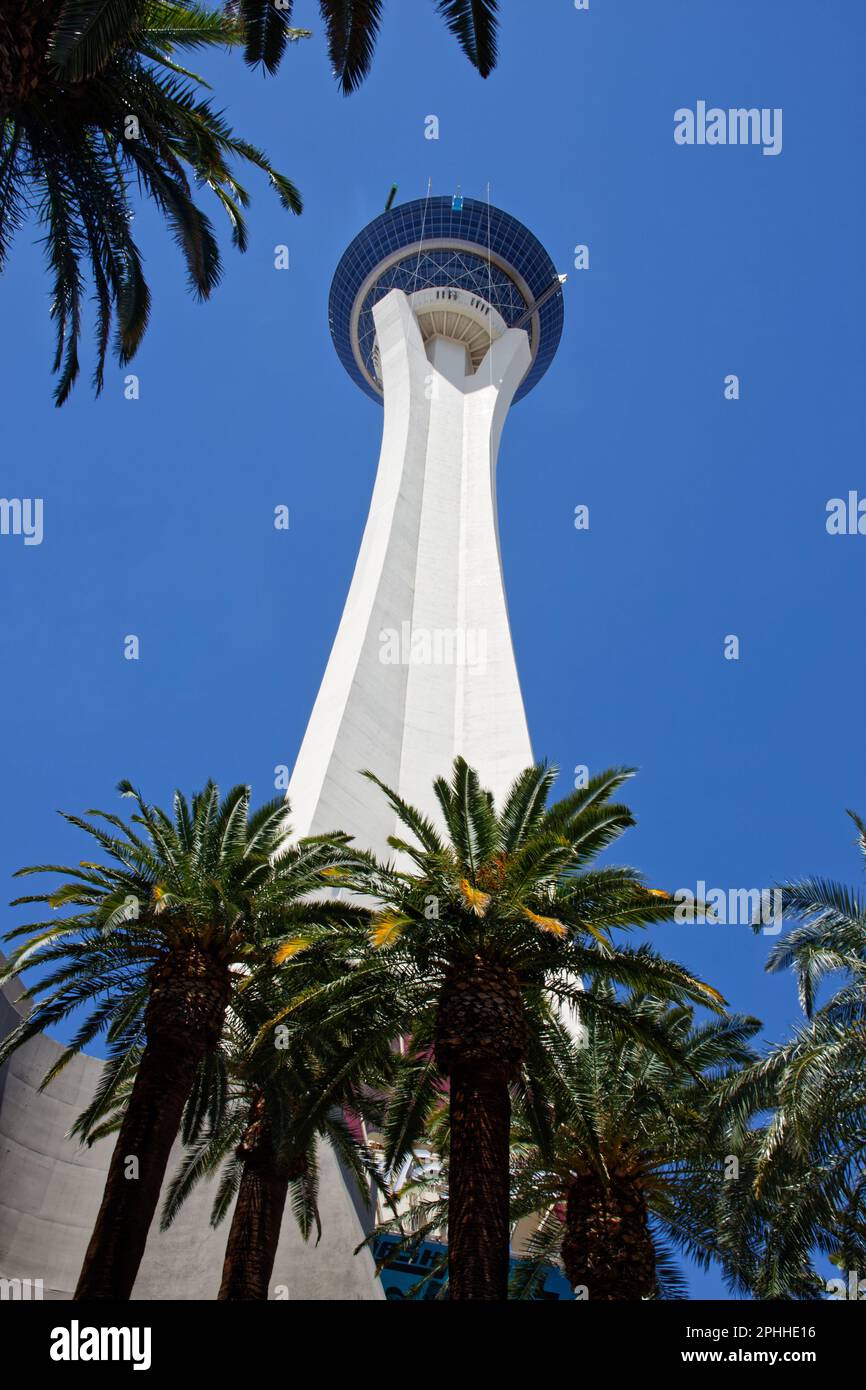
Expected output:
(92, 99)
(213, 879)
(163, 937)
(805, 1191)
(636, 1162)
(482, 937)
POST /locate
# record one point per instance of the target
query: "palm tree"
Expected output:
(275, 1107)
(832, 937)
(635, 1168)
(161, 939)
(799, 1194)
(92, 98)
(629, 1168)
(496, 924)
(352, 27)
(806, 1191)
(256, 1119)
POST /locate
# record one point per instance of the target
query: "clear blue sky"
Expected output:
(707, 516)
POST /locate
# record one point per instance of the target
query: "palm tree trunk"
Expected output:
(258, 1215)
(25, 27)
(183, 1021)
(608, 1248)
(478, 1185)
(480, 1042)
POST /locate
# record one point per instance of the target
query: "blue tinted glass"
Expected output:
(431, 220)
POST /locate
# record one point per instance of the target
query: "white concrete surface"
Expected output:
(428, 572)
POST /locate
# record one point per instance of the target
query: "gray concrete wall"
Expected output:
(51, 1187)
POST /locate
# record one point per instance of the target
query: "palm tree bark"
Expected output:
(258, 1215)
(608, 1248)
(183, 1021)
(480, 1043)
(24, 31)
(478, 1185)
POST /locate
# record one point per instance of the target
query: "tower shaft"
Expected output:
(422, 668)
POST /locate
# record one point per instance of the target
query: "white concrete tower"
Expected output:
(447, 310)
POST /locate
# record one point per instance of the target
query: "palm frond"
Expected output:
(473, 22)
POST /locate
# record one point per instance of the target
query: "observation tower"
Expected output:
(444, 311)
